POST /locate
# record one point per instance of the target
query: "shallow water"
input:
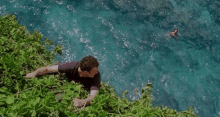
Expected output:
(127, 38)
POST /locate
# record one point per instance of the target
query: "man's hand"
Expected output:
(79, 102)
(31, 75)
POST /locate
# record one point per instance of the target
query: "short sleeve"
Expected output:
(66, 67)
(96, 82)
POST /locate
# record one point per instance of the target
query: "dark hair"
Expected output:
(87, 63)
(176, 29)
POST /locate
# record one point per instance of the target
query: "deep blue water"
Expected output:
(128, 39)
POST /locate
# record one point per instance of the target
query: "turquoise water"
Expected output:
(128, 39)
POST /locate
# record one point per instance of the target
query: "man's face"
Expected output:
(91, 74)
(175, 31)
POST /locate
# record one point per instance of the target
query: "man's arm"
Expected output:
(93, 94)
(43, 70)
(46, 70)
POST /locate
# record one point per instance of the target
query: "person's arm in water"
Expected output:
(176, 37)
(168, 34)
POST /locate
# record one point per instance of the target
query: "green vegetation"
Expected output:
(22, 53)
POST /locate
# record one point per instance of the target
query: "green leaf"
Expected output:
(2, 96)
(12, 114)
(48, 42)
(2, 103)
(124, 105)
(23, 95)
(10, 99)
(12, 31)
(33, 113)
(2, 110)
(58, 97)
(1, 42)
(22, 72)
(149, 85)
(36, 101)
(14, 107)
(50, 108)
(3, 89)
(30, 50)
(77, 87)
(17, 86)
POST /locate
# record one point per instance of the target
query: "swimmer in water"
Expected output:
(173, 34)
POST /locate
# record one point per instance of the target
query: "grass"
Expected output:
(22, 53)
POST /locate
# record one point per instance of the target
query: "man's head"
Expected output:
(175, 31)
(88, 67)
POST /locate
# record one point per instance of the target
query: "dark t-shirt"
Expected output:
(71, 71)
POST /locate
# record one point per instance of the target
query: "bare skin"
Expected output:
(174, 34)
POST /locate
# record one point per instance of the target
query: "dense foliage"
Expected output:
(22, 53)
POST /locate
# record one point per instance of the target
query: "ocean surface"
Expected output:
(128, 39)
